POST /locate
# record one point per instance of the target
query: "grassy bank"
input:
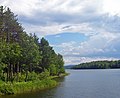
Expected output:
(61, 75)
(21, 87)
(36, 82)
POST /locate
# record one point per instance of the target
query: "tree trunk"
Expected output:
(8, 72)
(18, 71)
(26, 76)
(11, 72)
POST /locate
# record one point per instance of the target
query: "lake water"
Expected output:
(82, 84)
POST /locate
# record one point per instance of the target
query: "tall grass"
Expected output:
(34, 82)
(21, 87)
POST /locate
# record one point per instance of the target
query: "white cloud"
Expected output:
(94, 18)
(43, 30)
(63, 6)
(78, 60)
(96, 43)
(111, 6)
(101, 46)
(82, 28)
(48, 17)
(57, 29)
(21, 7)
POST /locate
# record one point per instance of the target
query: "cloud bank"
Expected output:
(97, 19)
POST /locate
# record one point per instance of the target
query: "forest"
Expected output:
(98, 65)
(24, 57)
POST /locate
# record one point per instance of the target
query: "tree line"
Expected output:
(22, 54)
(98, 65)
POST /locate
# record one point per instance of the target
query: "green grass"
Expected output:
(21, 87)
(61, 75)
(44, 81)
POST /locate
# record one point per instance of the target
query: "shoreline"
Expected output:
(31, 86)
(22, 87)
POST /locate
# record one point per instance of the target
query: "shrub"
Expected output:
(6, 89)
(44, 75)
(32, 76)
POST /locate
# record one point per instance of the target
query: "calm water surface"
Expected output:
(82, 84)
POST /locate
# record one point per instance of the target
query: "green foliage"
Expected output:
(20, 77)
(6, 89)
(98, 65)
(23, 58)
(44, 75)
(32, 76)
(53, 69)
(50, 60)
(25, 62)
(21, 87)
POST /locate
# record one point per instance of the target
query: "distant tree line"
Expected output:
(22, 54)
(98, 65)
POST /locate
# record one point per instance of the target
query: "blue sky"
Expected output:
(80, 30)
(66, 37)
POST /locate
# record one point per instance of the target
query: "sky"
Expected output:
(80, 30)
